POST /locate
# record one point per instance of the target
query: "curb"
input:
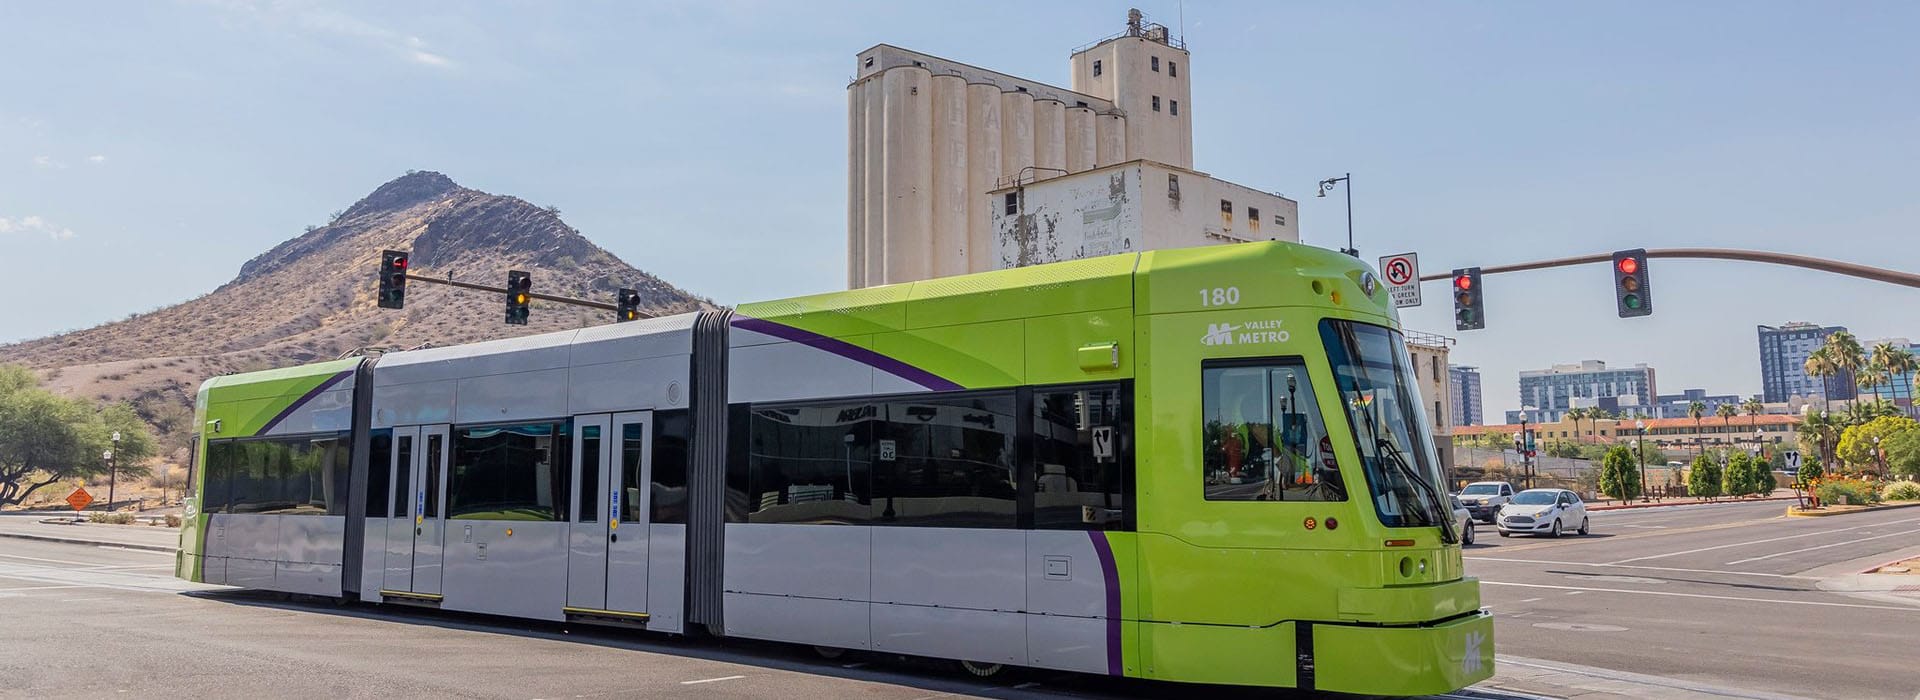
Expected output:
(1869, 509)
(96, 543)
(1692, 503)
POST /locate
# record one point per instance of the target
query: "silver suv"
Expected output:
(1484, 498)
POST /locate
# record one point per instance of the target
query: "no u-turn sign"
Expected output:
(1403, 278)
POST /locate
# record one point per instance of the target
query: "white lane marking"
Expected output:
(82, 600)
(51, 561)
(38, 588)
(1575, 592)
(712, 680)
(1821, 603)
(1770, 539)
(1824, 546)
(1647, 568)
(1648, 527)
(1533, 600)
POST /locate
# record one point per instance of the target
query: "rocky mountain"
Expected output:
(312, 298)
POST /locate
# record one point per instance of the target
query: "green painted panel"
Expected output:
(976, 356)
(1254, 275)
(274, 382)
(1060, 288)
(860, 311)
(1054, 346)
(1404, 660)
(1213, 654)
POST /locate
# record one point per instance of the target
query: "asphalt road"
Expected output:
(1732, 595)
(1708, 601)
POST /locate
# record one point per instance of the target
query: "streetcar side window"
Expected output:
(379, 471)
(219, 479)
(811, 463)
(403, 478)
(1264, 436)
(671, 431)
(506, 472)
(947, 461)
(1082, 458)
(288, 475)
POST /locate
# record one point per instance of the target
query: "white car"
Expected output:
(1543, 512)
(1462, 520)
(1484, 498)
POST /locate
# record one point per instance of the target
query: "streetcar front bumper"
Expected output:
(1421, 660)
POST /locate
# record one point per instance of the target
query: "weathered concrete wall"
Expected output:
(1076, 216)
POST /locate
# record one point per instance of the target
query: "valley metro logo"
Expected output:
(1470, 662)
(1219, 334)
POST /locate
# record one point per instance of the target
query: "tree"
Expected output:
(1860, 445)
(1810, 471)
(1737, 479)
(1900, 364)
(1820, 365)
(1703, 480)
(1847, 355)
(1576, 414)
(1726, 412)
(1768, 482)
(45, 438)
(1695, 410)
(1618, 476)
(1903, 453)
(1818, 434)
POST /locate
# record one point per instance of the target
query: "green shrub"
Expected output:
(1902, 491)
(1703, 480)
(111, 518)
(1618, 477)
(1857, 492)
(173, 520)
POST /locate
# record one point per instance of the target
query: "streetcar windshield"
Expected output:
(1374, 378)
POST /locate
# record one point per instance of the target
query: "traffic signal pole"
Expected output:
(535, 295)
(1877, 274)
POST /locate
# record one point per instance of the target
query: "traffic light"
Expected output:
(393, 279)
(629, 305)
(1632, 294)
(1469, 309)
(519, 292)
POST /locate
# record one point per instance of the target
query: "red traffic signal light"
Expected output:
(1463, 283)
(393, 279)
(1632, 290)
(1469, 307)
(1628, 266)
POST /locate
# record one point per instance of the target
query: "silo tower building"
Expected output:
(955, 169)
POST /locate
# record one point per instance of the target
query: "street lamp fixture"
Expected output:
(1327, 186)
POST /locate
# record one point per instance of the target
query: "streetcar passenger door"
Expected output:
(607, 547)
(399, 559)
(419, 565)
(588, 529)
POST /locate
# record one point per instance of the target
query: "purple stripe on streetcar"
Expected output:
(302, 401)
(1111, 574)
(847, 350)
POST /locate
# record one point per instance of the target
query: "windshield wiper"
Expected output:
(1399, 461)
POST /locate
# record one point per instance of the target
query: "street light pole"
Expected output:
(1328, 184)
(1640, 450)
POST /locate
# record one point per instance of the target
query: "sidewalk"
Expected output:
(156, 539)
(1613, 505)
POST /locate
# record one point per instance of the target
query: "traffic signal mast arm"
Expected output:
(503, 290)
(1877, 274)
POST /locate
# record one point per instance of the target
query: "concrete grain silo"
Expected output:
(949, 176)
(1016, 135)
(908, 183)
(1049, 139)
(1082, 145)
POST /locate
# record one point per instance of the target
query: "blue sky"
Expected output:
(143, 159)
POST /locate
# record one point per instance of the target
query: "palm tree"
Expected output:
(1695, 410)
(1848, 357)
(1575, 414)
(1820, 365)
(1754, 408)
(1822, 429)
(1899, 365)
(1726, 412)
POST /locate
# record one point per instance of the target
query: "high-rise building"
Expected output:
(1547, 394)
(954, 169)
(1464, 388)
(1677, 405)
(1783, 363)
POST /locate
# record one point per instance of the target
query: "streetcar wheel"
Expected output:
(979, 669)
